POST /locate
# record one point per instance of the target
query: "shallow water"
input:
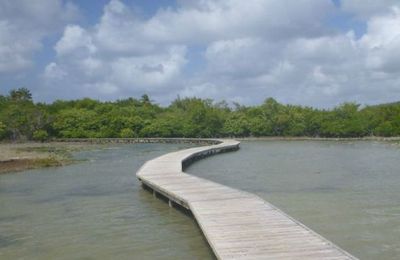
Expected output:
(348, 192)
(94, 210)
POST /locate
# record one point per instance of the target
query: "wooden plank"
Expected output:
(236, 224)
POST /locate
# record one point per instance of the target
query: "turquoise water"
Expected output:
(94, 210)
(348, 192)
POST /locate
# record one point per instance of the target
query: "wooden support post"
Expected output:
(170, 203)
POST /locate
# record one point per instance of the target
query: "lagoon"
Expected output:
(94, 210)
(346, 191)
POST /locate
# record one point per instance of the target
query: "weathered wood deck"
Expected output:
(236, 224)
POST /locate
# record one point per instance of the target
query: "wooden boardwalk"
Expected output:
(236, 224)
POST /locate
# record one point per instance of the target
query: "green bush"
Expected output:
(40, 135)
(3, 131)
(127, 133)
(20, 117)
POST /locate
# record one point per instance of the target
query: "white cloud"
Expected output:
(104, 88)
(202, 22)
(247, 51)
(75, 38)
(54, 72)
(92, 67)
(23, 25)
(14, 51)
(238, 58)
(120, 31)
(209, 20)
(382, 42)
(112, 58)
(364, 9)
(149, 71)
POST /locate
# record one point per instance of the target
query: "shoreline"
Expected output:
(305, 138)
(21, 156)
(205, 141)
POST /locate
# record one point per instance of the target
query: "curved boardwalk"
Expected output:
(236, 224)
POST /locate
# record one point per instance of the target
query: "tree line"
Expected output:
(23, 119)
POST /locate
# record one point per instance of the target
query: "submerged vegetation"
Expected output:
(22, 156)
(23, 119)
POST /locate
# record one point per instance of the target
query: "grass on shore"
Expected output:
(23, 156)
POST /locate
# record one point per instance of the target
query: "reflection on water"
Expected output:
(94, 210)
(346, 191)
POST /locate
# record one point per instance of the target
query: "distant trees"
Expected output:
(22, 119)
(21, 94)
(344, 121)
(383, 120)
(21, 116)
(3, 130)
(127, 133)
(40, 135)
(77, 123)
(236, 125)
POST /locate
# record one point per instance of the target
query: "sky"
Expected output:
(317, 53)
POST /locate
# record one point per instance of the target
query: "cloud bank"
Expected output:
(295, 51)
(23, 26)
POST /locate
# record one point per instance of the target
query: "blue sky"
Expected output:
(309, 52)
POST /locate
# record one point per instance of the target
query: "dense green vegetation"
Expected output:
(22, 119)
